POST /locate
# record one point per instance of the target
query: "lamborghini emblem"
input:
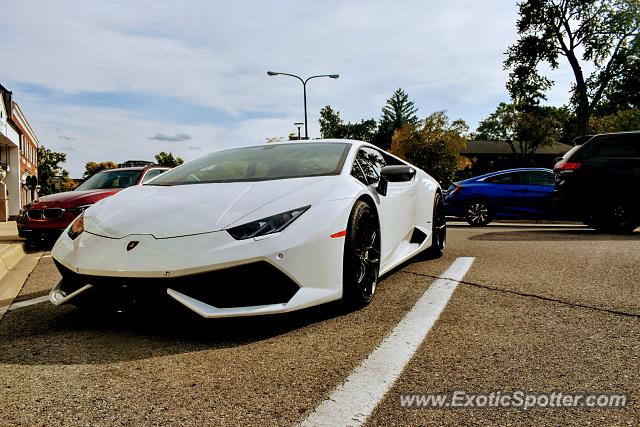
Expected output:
(132, 244)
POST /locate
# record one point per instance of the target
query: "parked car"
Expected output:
(47, 217)
(508, 194)
(256, 230)
(598, 182)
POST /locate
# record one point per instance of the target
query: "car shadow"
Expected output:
(39, 245)
(42, 334)
(546, 234)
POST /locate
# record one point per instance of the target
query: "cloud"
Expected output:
(194, 148)
(116, 80)
(68, 148)
(173, 138)
(66, 138)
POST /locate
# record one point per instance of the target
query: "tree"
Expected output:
(167, 159)
(624, 120)
(624, 91)
(499, 126)
(523, 130)
(332, 126)
(433, 145)
(397, 112)
(92, 168)
(49, 167)
(599, 34)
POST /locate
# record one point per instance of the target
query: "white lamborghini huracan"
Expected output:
(255, 230)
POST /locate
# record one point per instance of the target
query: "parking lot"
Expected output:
(543, 308)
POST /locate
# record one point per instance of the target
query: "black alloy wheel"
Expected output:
(478, 214)
(616, 218)
(439, 224)
(361, 256)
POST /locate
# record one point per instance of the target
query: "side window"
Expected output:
(151, 174)
(368, 165)
(618, 146)
(505, 178)
(357, 173)
(536, 178)
(392, 161)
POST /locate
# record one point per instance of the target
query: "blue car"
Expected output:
(507, 194)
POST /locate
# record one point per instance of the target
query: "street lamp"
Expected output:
(304, 89)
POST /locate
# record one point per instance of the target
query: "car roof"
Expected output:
(500, 172)
(618, 133)
(136, 168)
(520, 170)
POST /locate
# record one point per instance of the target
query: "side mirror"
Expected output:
(398, 173)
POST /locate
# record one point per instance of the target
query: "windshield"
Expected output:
(111, 179)
(261, 163)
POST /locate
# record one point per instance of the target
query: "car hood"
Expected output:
(70, 199)
(181, 210)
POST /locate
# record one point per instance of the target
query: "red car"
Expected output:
(48, 216)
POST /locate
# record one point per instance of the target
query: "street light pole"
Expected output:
(304, 90)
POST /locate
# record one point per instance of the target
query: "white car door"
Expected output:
(397, 209)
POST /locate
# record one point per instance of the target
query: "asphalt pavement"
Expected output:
(543, 308)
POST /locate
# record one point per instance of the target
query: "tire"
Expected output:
(361, 256)
(439, 224)
(616, 218)
(478, 214)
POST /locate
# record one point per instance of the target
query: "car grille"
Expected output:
(51, 213)
(34, 213)
(258, 283)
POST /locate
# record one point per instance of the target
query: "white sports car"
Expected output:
(256, 230)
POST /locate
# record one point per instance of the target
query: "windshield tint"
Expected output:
(262, 163)
(110, 179)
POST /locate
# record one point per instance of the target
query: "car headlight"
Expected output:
(79, 209)
(268, 225)
(77, 227)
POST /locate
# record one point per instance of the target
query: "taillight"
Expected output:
(567, 166)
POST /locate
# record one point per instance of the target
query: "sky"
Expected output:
(121, 80)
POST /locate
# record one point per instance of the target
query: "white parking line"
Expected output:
(352, 402)
(29, 302)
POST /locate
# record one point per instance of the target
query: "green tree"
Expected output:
(598, 34)
(523, 131)
(49, 167)
(167, 159)
(501, 125)
(397, 112)
(332, 126)
(92, 168)
(433, 145)
(624, 91)
(624, 120)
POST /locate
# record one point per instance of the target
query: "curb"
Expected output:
(15, 268)
(10, 257)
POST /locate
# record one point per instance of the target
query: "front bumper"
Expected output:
(39, 234)
(212, 274)
(43, 229)
(223, 289)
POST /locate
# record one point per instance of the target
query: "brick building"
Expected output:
(18, 154)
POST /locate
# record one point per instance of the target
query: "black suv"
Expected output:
(598, 182)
